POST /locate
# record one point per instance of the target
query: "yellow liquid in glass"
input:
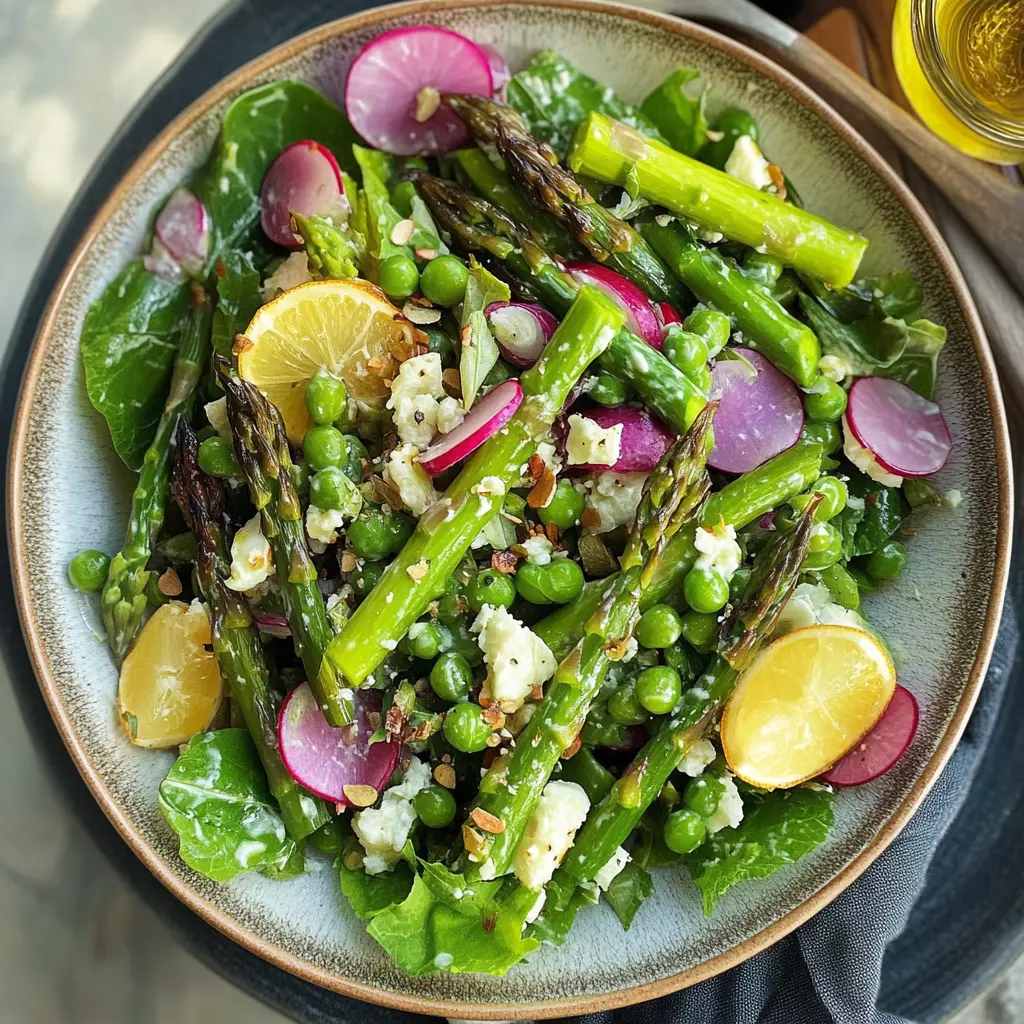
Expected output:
(982, 42)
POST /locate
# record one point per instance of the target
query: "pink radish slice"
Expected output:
(666, 314)
(488, 415)
(640, 316)
(644, 438)
(183, 228)
(521, 329)
(326, 759)
(402, 72)
(759, 413)
(305, 179)
(501, 74)
(273, 625)
(905, 432)
(882, 747)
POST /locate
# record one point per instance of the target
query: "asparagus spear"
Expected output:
(739, 503)
(749, 623)
(767, 327)
(534, 169)
(262, 451)
(123, 601)
(481, 227)
(330, 251)
(672, 496)
(236, 642)
(445, 531)
(613, 152)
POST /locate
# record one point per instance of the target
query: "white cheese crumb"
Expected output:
(834, 368)
(538, 549)
(411, 479)
(290, 274)
(729, 812)
(718, 549)
(217, 415)
(322, 524)
(614, 497)
(588, 442)
(383, 831)
(449, 414)
(251, 561)
(415, 399)
(811, 605)
(746, 163)
(615, 863)
(562, 808)
(517, 659)
(953, 497)
(697, 758)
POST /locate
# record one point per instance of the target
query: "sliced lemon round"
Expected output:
(170, 686)
(346, 327)
(803, 703)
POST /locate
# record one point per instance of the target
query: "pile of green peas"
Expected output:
(689, 347)
(442, 280)
(686, 828)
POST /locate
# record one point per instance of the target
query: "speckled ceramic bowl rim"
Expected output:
(551, 1008)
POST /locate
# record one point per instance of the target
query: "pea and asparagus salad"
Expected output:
(511, 464)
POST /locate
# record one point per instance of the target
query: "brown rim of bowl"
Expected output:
(548, 1008)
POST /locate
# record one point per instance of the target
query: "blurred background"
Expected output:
(76, 945)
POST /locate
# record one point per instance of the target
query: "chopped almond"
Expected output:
(487, 821)
(552, 533)
(493, 716)
(473, 841)
(360, 795)
(542, 491)
(418, 570)
(428, 99)
(452, 382)
(590, 518)
(403, 231)
(536, 466)
(444, 775)
(778, 180)
(242, 344)
(169, 585)
(348, 561)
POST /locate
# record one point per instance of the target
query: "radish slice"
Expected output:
(905, 432)
(640, 316)
(644, 438)
(393, 90)
(305, 179)
(160, 263)
(521, 329)
(272, 625)
(666, 314)
(488, 415)
(326, 759)
(183, 228)
(501, 73)
(759, 413)
(882, 747)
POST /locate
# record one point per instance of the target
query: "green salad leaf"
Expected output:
(293, 867)
(778, 830)
(215, 797)
(882, 513)
(680, 117)
(370, 895)
(479, 349)
(238, 298)
(380, 216)
(628, 890)
(562, 902)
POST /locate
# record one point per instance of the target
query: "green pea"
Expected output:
(705, 590)
(763, 268)
(825, 547)
(465, 729)
(732, 123)
(425, 640)
(438, 341)
(684, 659)
(398, 527)
(738, 583)
(402, 196)
(658, 627)
(217, 458)
(684, 831)
(828, 435)
(703, 794)
(625, 708)
(699, 630)
(608, 390)
(558, 582)
(842, 586)
(452, 608)
(451, 678)
(658, 689)
(444, 280)
(712, 326)
(434, 806)
(565, 507)
(887, 562)
(324, 446)
(325, 398)
(330, 488)
(686, 351)
(87, 571)
(366, 576)
(355, 453)
(490, 587)
(398, 277)
(327, 839)
(827, 404)
(375, 535)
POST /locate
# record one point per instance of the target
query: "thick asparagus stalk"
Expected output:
(236, 642)
(481, 227)
(609, 824)
(766, 326)
(739, 503)
(262, 451)
(672, 496)
(613, 152)
(123, 601)
(444, 533)
(330, 251)
(534, 169)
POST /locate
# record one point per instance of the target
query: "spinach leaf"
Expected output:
(777, 831)
(896, 295)
(370, 895)
(883, 513)
(866, 346)
(449, 924)
(215, 797)
(554, 96)
(918, 366)
(479, 349)
(628, 890)
(293, 867)
(238, 298)
(129, 340)
(682, 120)
(847, 522)
(561, 905)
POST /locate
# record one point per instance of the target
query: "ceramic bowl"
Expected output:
(68, 490)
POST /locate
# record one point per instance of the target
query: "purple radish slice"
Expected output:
(160, 263)
(904, 431)
(501, 73)
(882, 747)
(272, 625)
(183, 228)
(666, 314)
(644, 439)
(393, 90)
(759, 412)
(325, 759)
(488, 415)
(640, 315)
(521, 329)
(305, 179)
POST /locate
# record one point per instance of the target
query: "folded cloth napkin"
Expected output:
(829, 970)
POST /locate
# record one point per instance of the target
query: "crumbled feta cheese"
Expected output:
(697, 758)
(615, 863)
(834, 368)
(953, 497)
(746, 163)
(614, 497)
(517, 659)
(811, 605)
(549, 456)
(217, 415)
(383, 831)
(411, 479)
(562, 808)
(415, 399)
(589, 442)
(718, 549)
(865, 461)
(490, 486)
(290, 273)
(449, 414)
(251, 562)
(537, 907)
(538, 549)
(322, 524)
(729, 812)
